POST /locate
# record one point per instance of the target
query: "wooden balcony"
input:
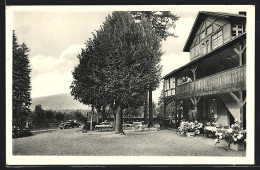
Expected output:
(227, 81)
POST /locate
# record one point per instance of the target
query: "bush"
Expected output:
(17, 132)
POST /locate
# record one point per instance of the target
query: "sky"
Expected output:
(55, 38)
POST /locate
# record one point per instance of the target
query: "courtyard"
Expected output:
(72, 142)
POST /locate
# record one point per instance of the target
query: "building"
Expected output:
(216, 90)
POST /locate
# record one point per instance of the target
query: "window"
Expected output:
(237, 30)
(205, 47)
(209, 30)
(217, 40)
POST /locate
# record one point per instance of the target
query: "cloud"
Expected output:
(51, 83)
(52, 75)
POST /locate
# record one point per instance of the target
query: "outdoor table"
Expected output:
(103, 126)
(210, 131)
(136, 123)
(211, 128)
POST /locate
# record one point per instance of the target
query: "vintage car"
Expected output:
(69, 124)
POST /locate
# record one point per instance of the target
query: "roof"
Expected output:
(200, 17)
(234, 40)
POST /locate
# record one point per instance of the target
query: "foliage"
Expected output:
(235, 134)
(170, 108)
(162, 21)
(118, 64)
(39, 114)
(59, 116)
(21, 81)
(49, 115)
(186, 126)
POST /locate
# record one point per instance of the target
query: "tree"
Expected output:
(130, 63)
(162, 22)
(39, 114)
(59, 116)
(116, 65)
(21, 81)
(49, 115)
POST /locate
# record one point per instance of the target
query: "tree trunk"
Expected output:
(103, 113)
(91, 118)
(119, 120)
(98, 111)
(114, 124)
(145, 109)
(150, 108)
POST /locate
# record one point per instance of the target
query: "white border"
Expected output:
(138, 160)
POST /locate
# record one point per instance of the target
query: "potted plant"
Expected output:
(190, 130)
(234, 136)
(183, 128)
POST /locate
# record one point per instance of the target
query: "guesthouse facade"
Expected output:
(212, 86)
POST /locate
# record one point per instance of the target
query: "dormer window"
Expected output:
(237, 30)
(217, 40)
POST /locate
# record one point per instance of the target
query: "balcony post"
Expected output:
(193, 70)
(241, 108)
(175, 114)
(241, 102)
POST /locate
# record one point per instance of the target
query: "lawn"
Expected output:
(106, 143)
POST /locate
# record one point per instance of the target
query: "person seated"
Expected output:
(183, 80)
(186, 79)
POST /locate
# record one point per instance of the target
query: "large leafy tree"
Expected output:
(133, 61)
(162, 23)
(118, 64)
(21, 81)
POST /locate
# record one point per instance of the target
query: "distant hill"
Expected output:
(58, 102)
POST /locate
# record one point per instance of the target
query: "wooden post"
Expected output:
(241, 102)
(175, 115)
(193, 70)
(241, 108)
(195, 102)
(164, 106)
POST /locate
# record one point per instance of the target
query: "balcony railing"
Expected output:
(229, 80)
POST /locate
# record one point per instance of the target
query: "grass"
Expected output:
(107, 143)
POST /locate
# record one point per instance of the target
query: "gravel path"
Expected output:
(151, 143)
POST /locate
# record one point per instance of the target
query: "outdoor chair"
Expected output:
(141, 127)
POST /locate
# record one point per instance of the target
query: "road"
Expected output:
(151, 143)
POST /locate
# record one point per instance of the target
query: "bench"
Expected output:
(100, 127)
